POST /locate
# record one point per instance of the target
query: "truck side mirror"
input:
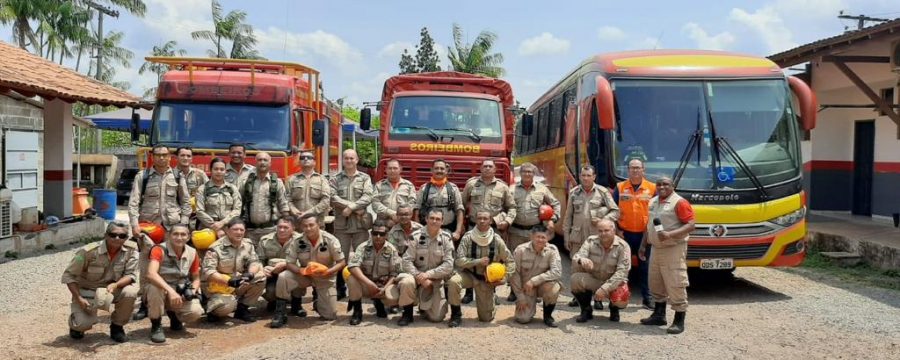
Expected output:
(527, 124)
(318, 132)
(135, 127)
(365, 119)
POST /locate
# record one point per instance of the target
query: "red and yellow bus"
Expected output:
(724, 126)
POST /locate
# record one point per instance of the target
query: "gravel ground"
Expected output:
(762, 313)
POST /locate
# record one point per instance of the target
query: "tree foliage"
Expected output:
(475, 58)
(229, 27)
(426, 59)
(167, 49)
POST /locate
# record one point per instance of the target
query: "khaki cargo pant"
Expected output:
(123, 300)
(190, 311)
(484, 294)
(668, 276)
(548, 292)
(517, 237)
(431, 301)
(272, 289)
(143, 262)
(326, 302)
(357, 292)
(350, 240)
(584, 282)
(255, 234)
(223, 304)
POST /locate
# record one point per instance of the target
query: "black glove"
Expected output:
(235, 282)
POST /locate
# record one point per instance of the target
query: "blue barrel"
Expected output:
(105, 203)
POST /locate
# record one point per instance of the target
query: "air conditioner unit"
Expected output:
(6, 219)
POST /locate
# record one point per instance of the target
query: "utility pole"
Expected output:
(861, 19)
(101, 10)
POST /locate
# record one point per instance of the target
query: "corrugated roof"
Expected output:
(29, 74)
(804, 53)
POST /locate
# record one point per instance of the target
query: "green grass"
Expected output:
(859, 273)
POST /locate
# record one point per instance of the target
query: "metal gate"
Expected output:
(21, 167)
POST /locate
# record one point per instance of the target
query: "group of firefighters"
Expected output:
(426, 247)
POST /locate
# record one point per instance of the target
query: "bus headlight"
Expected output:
(790, 218)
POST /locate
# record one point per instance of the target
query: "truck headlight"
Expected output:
(790, 218)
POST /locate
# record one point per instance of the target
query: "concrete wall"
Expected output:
(20, 115)
(30, 242)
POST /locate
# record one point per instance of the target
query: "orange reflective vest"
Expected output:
(634, 205)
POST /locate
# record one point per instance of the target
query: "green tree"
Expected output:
(229, 27)
(113, 53)
(19, 14)
(407, 63)
(475, 58)
(167, 49)
(426, 59)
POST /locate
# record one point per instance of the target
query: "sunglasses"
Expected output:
(378, 233)
(306, 157)
(122, 236)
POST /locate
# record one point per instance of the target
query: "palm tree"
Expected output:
(20, 13)
(63, 23)
(475, 58)
(231, 27)
(113, 54)
(167, 49)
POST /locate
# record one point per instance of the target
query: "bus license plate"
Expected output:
(716, 264)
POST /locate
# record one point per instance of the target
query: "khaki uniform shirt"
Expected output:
(195, 178)
(388, 199)
(536, 267)
(377, 265)
(400, 239)
(611, 266)
(327, 250)
(584, 207)
(309, 193)
(439, 197)
(262, 212)
(465, 261)
(91, 267)
(160, 203)
(432, 256)
(172, 269)
(355, 192)
(224, 258)
(494, 197)
(222, 203)
(270, 251)
(529, 201)
(233, 176)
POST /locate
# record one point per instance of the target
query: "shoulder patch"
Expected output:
(130, 244)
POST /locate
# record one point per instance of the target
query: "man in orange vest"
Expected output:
(633, 197)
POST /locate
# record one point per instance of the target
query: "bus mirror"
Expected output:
(365, 119)
(318, 132)
(809, 105)
(135, 127)
(605, 107)
(527, 124)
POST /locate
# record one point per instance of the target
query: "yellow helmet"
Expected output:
(495, 272)
(202, 239)
(346, 273)
(193, 204)
(216, 287)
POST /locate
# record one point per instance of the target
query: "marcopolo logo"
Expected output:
(451, 148)
(715, 197)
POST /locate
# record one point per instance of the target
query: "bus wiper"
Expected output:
(693, 143)
(433, 135)
(723, 144)
(471, 132)
(246, 144)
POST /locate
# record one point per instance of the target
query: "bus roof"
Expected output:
(699, 63)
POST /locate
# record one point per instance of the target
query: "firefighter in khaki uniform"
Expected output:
(477, 249)
(174, 268)
(160, 196)
(308, 191)
(231, 263)
(606, 260)
(529, 197)
(668, 269)
(262, 199)
(588, 203)
(272, 251)
(633, 197)
(373, 273)
(218, 201)
(427, 263)
(441, 194)
(314, 245)
(392, 192)
(237, 168)
(538, 271)
(353, 193)
(98, 272)
(193, 177)
(401, 234)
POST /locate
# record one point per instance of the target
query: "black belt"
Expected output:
(523, 227)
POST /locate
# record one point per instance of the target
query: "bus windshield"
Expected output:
(657, 118)
(463, 119)
(215, 125)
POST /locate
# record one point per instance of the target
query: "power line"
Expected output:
(860, 19)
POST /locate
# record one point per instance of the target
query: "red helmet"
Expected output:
(545, 212)
(154, 231)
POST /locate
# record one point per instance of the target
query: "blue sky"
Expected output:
(357, 44)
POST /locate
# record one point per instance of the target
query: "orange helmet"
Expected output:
(545, 212)
(314, 268)
(154, 231)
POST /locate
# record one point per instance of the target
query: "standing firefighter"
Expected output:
(401, 234)
(237, 168)
(101, 274)
(538, 271)
(373, 273)
(427, 263)
(606, 260)
(233, 275)
(262, 198)
(392, 192)
(353, 193)
(193, 177)
(530, 196)
(442, 195)
(308, 191)
(174, 275)
(672, 221)
(218, 201)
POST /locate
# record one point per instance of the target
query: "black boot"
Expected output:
(470, 295)
(75, 334)
(297, 307)
(573, 302)
(407, 316)
(677, 324)
(212, 318)
(243, 313)
(142, 311)
(394, 309)
(379, 308)
(584, 301)
(156, 332)
(315, 300)
(598, 305)
(455, 316)
(548, 315)
(658, 317)
(174, 323)
(613, 313)
(341, 288)
(512, 296)
(117, 333)
(280, 317)
(356, 317)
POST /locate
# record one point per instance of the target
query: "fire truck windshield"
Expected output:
(463, 119)
(212, 124)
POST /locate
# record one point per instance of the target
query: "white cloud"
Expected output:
(318, 46)
(720, 41)
(610, 33)
(366, 90)
(768, 25)
(768, 22)
(172, 20)
(395, 49)
(544, 44)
